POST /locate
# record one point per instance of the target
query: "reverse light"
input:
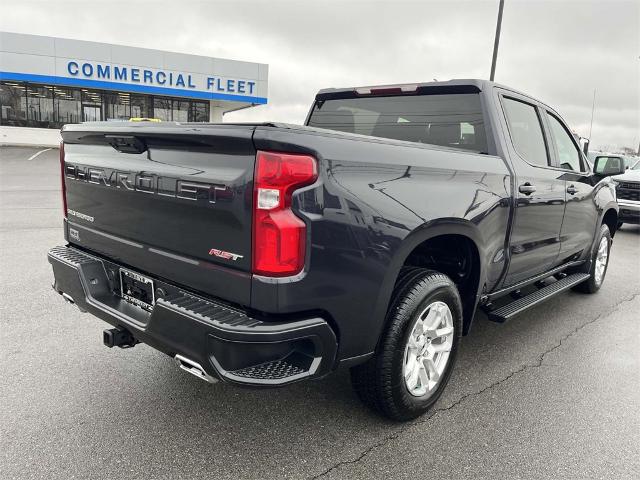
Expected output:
(63, 185)
(279, 236)
(268, 198)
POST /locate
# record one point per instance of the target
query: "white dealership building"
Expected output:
(46, 82)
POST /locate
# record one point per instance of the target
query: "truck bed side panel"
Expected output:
(372, 195)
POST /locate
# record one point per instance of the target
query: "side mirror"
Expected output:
(608, 166)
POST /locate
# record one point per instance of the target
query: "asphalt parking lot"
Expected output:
(553, 394)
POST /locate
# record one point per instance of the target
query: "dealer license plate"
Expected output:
(137, 289)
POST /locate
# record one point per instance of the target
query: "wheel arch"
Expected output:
(606, 205)
(610, 218)
(425, 233)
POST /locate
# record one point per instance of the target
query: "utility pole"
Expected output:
(496, 42)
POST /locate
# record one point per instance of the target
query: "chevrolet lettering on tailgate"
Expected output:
(150, 183)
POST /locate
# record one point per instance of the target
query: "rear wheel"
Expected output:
(599, 263)
(418, 349)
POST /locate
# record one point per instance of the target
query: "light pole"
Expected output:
(496, 42)
(593, 108)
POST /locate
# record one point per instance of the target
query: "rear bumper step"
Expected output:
(512, 309)
(211, 340)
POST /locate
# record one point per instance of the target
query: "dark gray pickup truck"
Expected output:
(265, 254)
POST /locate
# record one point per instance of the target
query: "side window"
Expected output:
(568, 153)
(526, 131)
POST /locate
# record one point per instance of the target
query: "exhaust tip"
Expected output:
(194, 368)
(68, 298)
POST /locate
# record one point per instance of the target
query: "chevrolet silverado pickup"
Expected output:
(369, 238)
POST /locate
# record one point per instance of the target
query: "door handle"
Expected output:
(527, 188)
(572, 190)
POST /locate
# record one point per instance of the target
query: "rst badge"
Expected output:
(226, 255)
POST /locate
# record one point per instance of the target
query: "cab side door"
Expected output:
(534, 242)
(581, 212)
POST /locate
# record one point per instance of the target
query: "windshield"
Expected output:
(636, 166)
(449, 120)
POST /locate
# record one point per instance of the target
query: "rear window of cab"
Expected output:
(448, 120)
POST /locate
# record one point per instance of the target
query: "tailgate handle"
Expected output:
(126, 143)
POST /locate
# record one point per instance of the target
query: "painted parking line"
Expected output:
(38, 153)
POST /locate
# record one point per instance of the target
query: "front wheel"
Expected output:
(599, 263)
(416, 354)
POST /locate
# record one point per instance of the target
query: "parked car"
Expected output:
(266, 254)
(627, 185)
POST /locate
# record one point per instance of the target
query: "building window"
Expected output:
(180, 111)
(50, 106)
(92, 106)
(66, 105)
(140, 106)
(117, 106)
(199, 112)
(162, 108)
(39, 106)
(13, 103)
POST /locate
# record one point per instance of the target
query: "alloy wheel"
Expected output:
(428, 348)
(602, 257)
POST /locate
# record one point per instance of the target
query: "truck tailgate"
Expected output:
(173, 201)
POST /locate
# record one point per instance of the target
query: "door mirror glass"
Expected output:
(607, 166)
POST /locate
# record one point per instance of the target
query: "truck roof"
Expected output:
(468, 85)
(474, 82)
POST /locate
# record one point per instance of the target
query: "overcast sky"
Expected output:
(558, 51)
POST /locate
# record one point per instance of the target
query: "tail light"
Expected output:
(279, 236)
(64, 187)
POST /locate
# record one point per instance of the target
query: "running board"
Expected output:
(506, 312)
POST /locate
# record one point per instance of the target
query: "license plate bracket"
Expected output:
(137, 289)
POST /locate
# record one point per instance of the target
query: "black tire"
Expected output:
(591, 285)
(379, 382)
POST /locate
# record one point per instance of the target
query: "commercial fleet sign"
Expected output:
(61, 61)
(128, 74)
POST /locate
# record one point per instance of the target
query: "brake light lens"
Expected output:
(63, 185)
(388, 90)
(279, 236)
